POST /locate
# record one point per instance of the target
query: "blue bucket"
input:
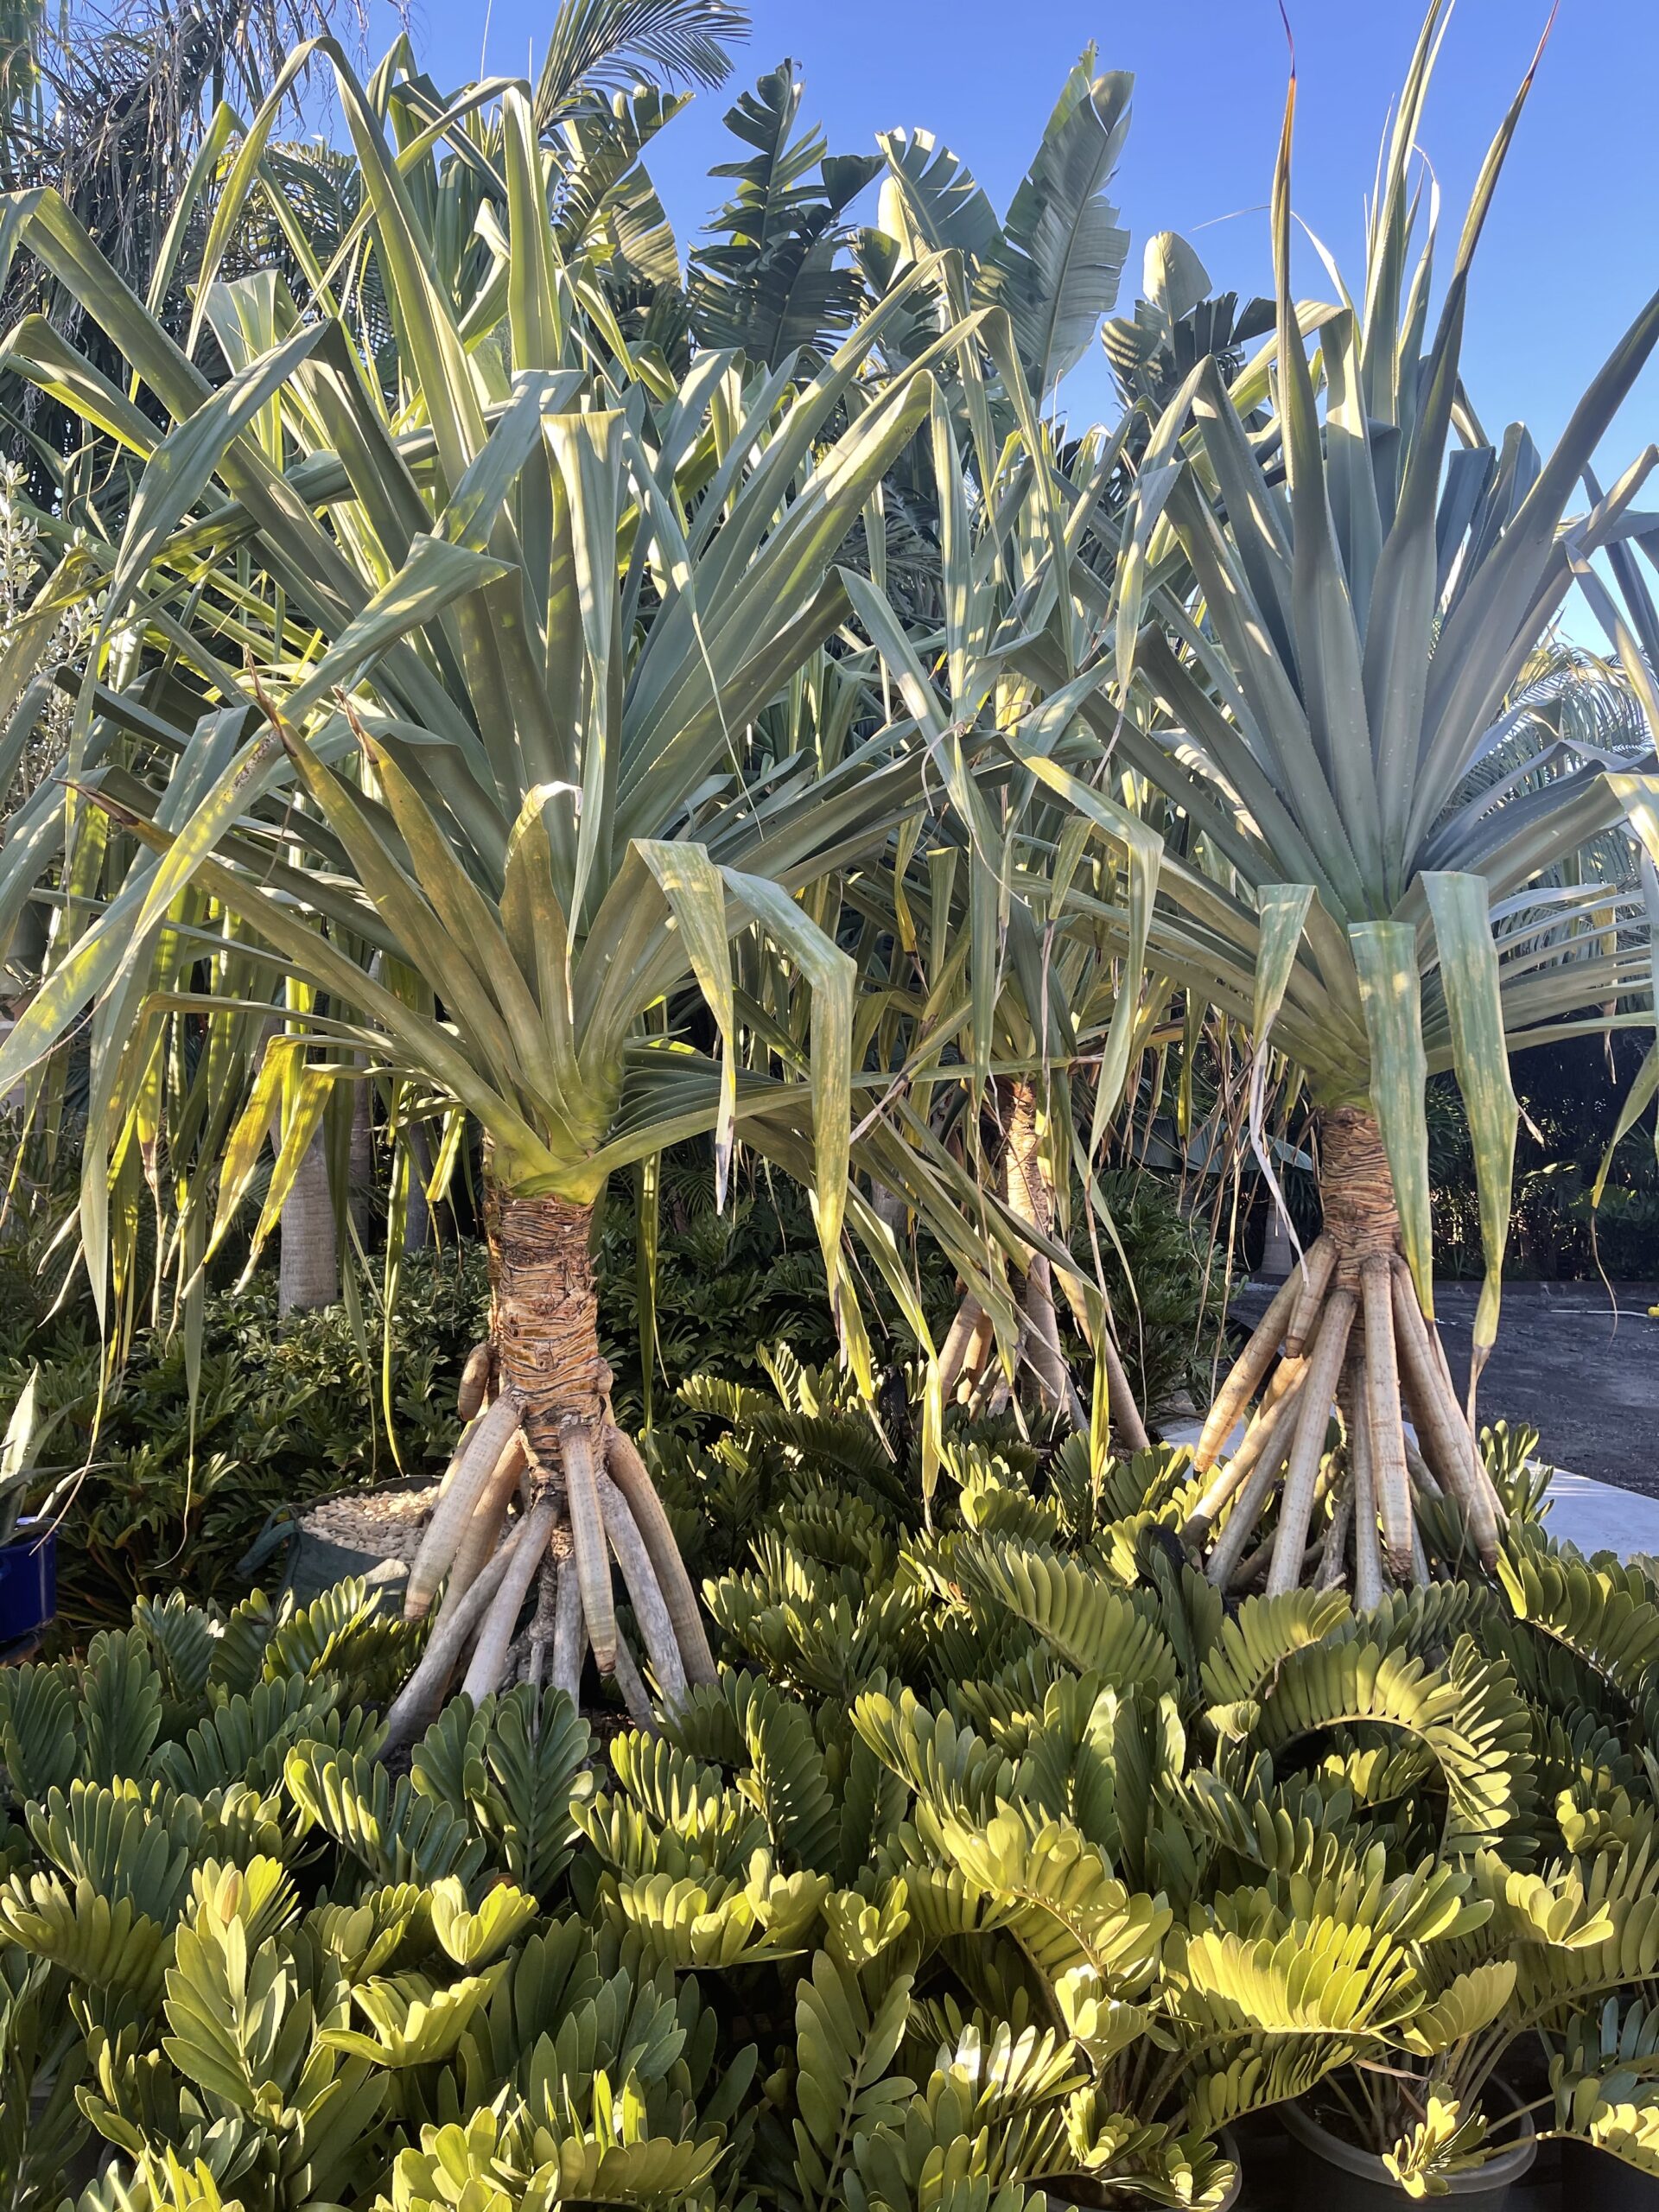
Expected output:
(28, 1582)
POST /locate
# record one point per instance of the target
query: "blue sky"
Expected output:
(1571, 250)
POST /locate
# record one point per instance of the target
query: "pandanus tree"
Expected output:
(1317, 624)
(1000, 992)
(990, 1000)
(506, 658)
(1017, 914)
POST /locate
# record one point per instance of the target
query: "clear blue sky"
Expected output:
(1571, 251)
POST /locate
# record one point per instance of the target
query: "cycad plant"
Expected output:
(1318, 622)
(509, 640)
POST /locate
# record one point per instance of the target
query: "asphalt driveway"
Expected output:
(1579, 1362)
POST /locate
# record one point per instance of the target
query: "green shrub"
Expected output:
(727, 1283)
(1001, 1858)
(285, 1416)
(281, 1417)
(1572, 1093)
(1426, 1837)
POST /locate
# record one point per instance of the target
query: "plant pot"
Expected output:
(299, 1546)
(1592, 2176)
(28, 1582)
(1228, 2142)
(1341, 2177)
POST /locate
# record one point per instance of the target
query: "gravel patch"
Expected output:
(387, 1522)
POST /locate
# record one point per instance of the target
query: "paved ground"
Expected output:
(1581, 1366)
(1583, 1371)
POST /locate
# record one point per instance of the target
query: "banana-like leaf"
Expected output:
(1063, 254)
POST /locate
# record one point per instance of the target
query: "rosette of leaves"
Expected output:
(1320, 623)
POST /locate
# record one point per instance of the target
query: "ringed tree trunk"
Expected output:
(1345, 1332)
(307, 1245)
(541, 1437)
(308, 1263)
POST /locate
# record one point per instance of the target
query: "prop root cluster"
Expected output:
(968, 1362)
(543, 1493)
(1345, 1333)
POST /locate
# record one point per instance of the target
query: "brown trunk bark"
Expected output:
(1025, 1184)
(587, 1491)
(544, 1318)
(1355, 1190)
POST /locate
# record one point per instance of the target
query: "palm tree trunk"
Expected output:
(587, 1491)
(309, 1268)
(1348, 1321)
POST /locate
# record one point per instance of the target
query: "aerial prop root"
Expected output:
(1346, 1332)
(599, 1501)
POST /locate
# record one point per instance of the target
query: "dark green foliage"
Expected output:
(728, 1283)
(777, 283)
(1571, 1094)
(1169, 1297)
(281, 1418)
(285, 1416)
(37, 1265)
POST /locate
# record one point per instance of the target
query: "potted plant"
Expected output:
(1604, 2074)
(1475, 2156)
(1424, 2107)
